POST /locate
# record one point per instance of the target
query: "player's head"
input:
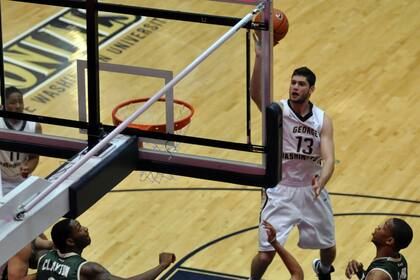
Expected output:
(14, 100)
(394, 233)
(69, 236)
(402, 233)
(307, 73)
(302, 84)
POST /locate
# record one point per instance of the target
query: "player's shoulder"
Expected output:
(387, 267)
(316, 108)
(378, 274)
(327, 118)
(282, 103)
(321, 112)
(92, 270)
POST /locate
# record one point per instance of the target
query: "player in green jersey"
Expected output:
(66, 262)
(389, 264)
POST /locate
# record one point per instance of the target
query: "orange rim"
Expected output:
(179, 124)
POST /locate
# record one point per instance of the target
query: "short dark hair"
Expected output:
(60, 232)
(9, 90)
(402, 233)
(307, 73)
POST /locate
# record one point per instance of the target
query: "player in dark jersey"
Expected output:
(70, 238)
(389, 238)
(17, 267)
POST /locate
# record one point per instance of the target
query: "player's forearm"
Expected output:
(326, 172)
(291, 263)
(327, 152)
(17, 273)
(150, 274)
(256, 82)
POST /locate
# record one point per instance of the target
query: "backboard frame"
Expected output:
(96, 130)
(266, 175)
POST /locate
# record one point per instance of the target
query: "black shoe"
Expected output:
(321, 276)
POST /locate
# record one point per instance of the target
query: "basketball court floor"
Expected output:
(367, 60)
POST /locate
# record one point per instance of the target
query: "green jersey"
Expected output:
(395, 268)
(57, 266)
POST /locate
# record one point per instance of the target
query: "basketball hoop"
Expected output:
(154, 119)
(130, 104)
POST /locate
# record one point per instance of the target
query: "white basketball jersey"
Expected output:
(301, 145)
(10, 162)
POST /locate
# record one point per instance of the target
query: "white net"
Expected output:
(155, 116)
(168, 147)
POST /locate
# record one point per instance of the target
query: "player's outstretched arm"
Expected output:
(95, 271)
(18, 265)
(256, 75)
(291, 263)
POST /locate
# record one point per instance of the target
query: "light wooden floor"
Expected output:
(367, 58)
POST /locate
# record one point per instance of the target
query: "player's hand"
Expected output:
(353, 267)
(316, 187)
(39, 243)
(271, 232)
(258, 43)
(166, 258)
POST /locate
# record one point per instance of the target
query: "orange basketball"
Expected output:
(280, 24)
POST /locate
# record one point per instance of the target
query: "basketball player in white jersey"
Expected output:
(300, 198)
(15, 166)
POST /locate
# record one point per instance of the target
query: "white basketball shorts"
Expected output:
(9, 185)
(286, 207)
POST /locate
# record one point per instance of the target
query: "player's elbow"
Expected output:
(329, 164)
(332, 167)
